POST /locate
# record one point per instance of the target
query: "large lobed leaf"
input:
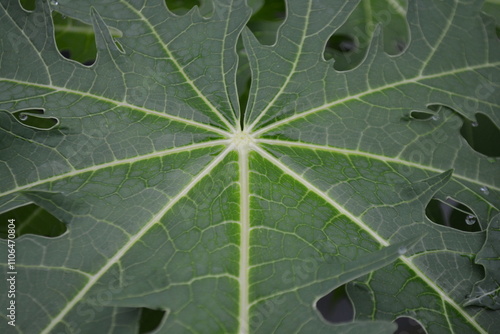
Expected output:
(240, 221)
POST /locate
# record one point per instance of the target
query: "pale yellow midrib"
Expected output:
(244, 240)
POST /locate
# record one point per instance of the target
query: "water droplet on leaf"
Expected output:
(485, 190)
(474, 124)
(402, 250)
(23, 117)
(54, 2)
(435, 118)
(470, 220)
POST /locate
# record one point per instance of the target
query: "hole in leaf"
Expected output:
(482, 135)
(119, 46)
(350, 43)
(339, 43)
(492, 9)
(423, 115)
(65, 53)
(408, 326)
(75, 39)
(243, 102)
(150, 320)
(436, 107)
(452, 214)
(266, 18)
(266, 21)
(31, 219)
(181, 7)
(336, 307)
(399, 46)
(28, 5)
(34, 118)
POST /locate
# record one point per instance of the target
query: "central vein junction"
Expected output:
(242, 141)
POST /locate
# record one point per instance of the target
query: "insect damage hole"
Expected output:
(350, 43)
(408, 325)
(181, 7)
(482, 135)
(32, 219)
(339, 44)
(336, 307)
(35, 118)
(75, 40)
(424, 115)
(266, 20)
(452, 214)
(28, 5)
(150, 319)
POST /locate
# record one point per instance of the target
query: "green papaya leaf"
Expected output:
(236, 219)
